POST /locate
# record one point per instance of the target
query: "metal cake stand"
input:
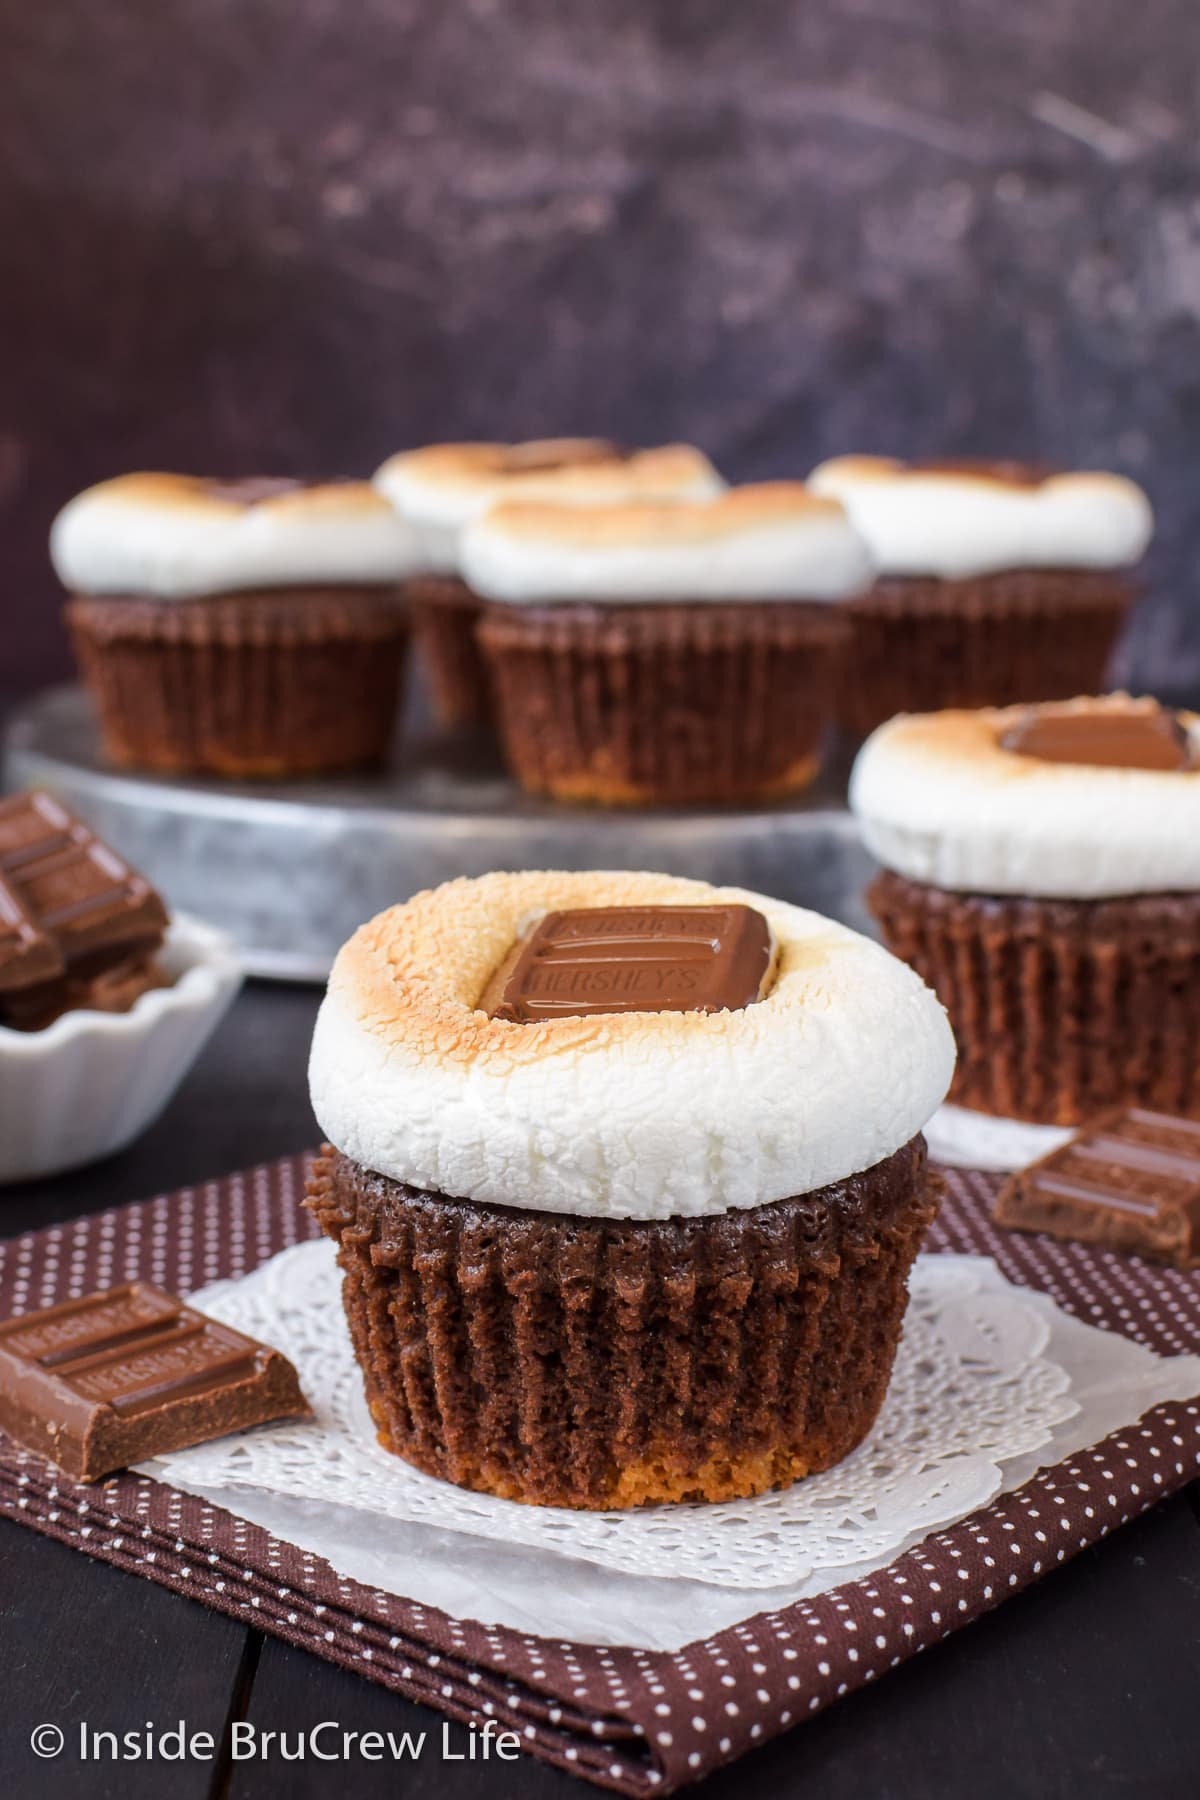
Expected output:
(291, 869)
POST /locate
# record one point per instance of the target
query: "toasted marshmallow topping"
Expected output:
(940, 799)
(956, 520)
(176, 537)
(440, 489)
(774, 541)
(626, 1115)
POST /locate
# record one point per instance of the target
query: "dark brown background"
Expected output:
(294, 235)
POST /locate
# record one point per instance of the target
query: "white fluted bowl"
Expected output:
(92, 1082)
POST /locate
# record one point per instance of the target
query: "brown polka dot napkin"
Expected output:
(639, 1721)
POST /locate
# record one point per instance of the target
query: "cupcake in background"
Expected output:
(441, 488)
(670, 655)
(243, 628)
(626, 1176)
(998, 582)
(1041, 871)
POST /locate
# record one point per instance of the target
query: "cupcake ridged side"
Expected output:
(673, 703)
(445, 614)
(274, 682)
(1024, 635)
(1060, 1008)
(597, 1363)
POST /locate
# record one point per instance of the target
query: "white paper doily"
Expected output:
(972, 1387)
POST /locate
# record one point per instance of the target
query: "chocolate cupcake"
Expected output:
(626, 1177)
(666, 654)
(441, 488)
(238, 628)
(998, 582)
(1041, 871)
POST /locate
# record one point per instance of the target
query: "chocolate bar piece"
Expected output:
(1148, 736)
(1130, 1181)
(71, 910)
(614, 959)
(29, 956)
(112, 990)
(102, 1382)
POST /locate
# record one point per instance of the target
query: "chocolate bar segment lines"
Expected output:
(75, 888)
(1130, 1181)
(28, 954)
(78, 926)
(633, 959)
(98, 1383)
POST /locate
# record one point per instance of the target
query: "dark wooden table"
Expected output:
(1088, 1685)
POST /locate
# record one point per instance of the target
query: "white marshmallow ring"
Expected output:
(635, 1115)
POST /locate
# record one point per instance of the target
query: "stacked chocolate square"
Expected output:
(78, 926)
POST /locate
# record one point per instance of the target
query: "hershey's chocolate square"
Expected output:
(1129, 1181)
(73, 886)
(614, 959)
(107, 1380)
(1139, 737)
(28, 954)
(71, 910)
